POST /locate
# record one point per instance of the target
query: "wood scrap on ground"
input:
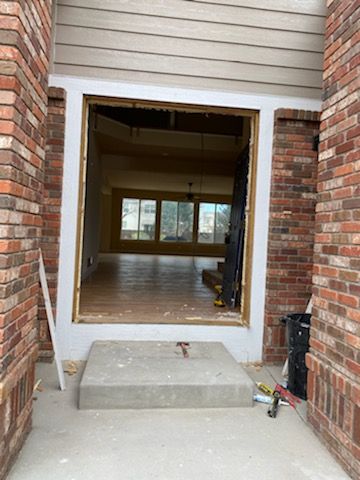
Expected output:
(37, 386)
(71, 368)
(257, 365)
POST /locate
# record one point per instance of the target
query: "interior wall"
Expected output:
(105, 223)
(92, 217)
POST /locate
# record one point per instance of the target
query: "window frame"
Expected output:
(177, 221)
(122, 211)
(159, 197)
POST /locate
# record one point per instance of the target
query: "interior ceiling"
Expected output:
(174, 120)
(112, 145)
(164, 151)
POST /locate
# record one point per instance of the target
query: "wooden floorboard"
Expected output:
(135, 288)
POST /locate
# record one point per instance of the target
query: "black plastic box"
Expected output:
(298, 328)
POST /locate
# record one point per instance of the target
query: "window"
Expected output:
(147, 220)
(177, 219)
(150, 207)
(138, 219)
(174, 221)
(222, 219)
(213, 222)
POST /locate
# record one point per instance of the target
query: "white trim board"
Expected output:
(244, 343)
(50, 319)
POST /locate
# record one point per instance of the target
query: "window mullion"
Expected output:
(139, 211)
(196, 222)
(157, 220)
(215, 222)
(177, 220)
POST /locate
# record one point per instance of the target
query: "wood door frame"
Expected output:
(253, 115)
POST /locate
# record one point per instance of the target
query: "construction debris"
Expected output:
(268, 400)
(265, 388)
(257, 365)
(37, 386)
(219, 302)
(275, 397)
(71, 368)
(184, 348)
(228, 314)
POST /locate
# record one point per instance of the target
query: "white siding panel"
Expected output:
(218, 43)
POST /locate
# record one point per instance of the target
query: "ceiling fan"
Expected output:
(190, 196)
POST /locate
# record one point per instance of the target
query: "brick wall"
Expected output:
(291, 225)
(24, 48)
(334, 362)
(51, 213)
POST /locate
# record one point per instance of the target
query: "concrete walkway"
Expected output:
(191, 444)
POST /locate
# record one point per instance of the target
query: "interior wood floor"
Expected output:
(135, 288)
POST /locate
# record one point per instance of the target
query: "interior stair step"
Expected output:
(138, 375)
(221, 266)
(212, 278)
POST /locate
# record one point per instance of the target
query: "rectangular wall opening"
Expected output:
(166, 218)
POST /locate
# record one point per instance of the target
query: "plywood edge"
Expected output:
(109, 319)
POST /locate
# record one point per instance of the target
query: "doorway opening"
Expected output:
(166, 218)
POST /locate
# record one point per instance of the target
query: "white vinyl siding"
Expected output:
(272, 47)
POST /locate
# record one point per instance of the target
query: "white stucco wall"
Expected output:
(244, 343)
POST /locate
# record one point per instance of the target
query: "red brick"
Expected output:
(23, 94)
(338, 371)
(293, 188)
(53, 183)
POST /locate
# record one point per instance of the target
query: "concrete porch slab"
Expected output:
(157, 375)
(187, 444)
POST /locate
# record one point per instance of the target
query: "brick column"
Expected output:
(334, 361)
(51, 213)
(24, 52)
(291, 225)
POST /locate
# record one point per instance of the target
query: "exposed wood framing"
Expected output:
(244, 314)
(81, 207)
(250, 222)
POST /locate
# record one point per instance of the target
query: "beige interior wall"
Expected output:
(105, 226)
(92, 216)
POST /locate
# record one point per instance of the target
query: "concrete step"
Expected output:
(212, 278)
(157, 375)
